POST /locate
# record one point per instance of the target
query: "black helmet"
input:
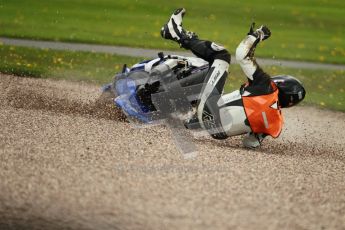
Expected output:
(291, 91)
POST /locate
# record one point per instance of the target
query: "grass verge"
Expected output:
(325, 88)
(301, 30)
(44, 63)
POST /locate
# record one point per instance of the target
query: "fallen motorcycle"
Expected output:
(152, 89)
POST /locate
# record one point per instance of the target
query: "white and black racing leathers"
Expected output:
(223, 115)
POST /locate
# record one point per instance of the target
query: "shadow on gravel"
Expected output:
(33, 224)
(294, 148)
(289, 148)
(40, 223)
(31, 99)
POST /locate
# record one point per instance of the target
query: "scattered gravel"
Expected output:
(69, 161)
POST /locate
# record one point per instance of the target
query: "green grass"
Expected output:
(325, 88)
(75, 66)
(310, 30)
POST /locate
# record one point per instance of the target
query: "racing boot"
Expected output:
(173, 29)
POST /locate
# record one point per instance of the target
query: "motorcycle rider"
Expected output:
(255, 109)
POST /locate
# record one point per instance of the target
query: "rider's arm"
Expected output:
(245, 57)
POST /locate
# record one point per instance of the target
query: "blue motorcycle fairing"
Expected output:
(139, 66)
(128, 100)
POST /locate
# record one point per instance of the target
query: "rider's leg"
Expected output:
(219, 59)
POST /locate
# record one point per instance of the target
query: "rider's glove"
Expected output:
(261, 33)
(253, 140)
